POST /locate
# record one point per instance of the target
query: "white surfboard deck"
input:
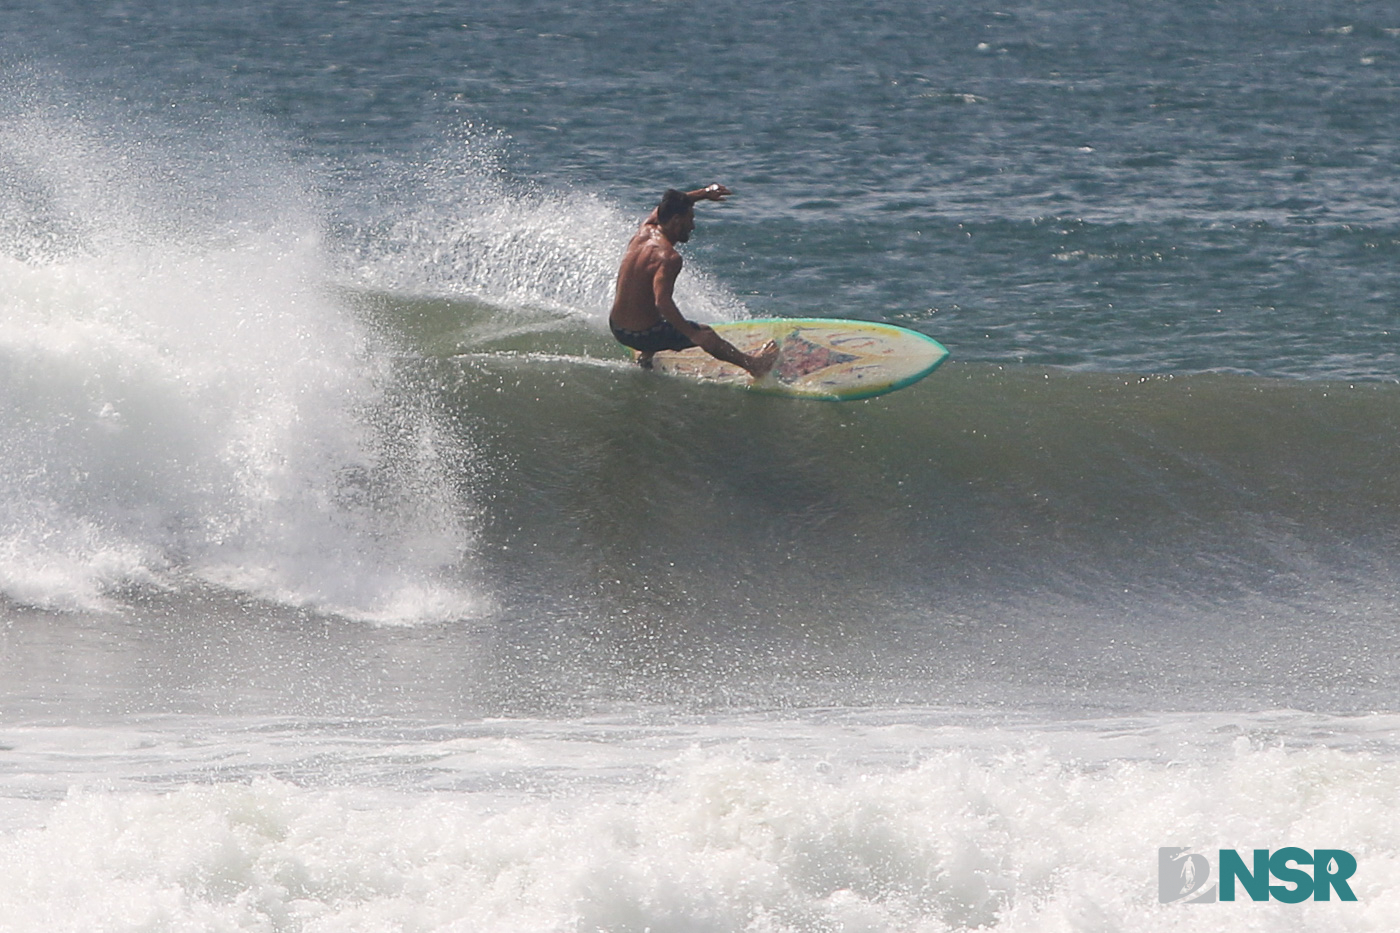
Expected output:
(818, 358)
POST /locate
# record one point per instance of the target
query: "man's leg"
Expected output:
(758, 364)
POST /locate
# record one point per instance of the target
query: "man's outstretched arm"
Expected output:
(708, 193)
(714, 192)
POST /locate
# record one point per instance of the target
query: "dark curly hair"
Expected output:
(673, 204)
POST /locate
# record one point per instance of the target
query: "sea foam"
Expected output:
(184, 395)
(722, 838)
(454, 224)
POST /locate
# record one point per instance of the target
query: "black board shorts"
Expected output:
(660, 336)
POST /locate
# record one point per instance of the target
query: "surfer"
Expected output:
(644, 313)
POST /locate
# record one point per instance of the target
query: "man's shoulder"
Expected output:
(668, 253)
(656, 249)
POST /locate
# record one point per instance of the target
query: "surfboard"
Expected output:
(818, 358)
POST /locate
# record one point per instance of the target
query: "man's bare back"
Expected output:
(644, 312)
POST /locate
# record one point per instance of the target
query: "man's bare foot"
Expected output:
(762, 362)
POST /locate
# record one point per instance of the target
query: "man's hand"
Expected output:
(709, 193)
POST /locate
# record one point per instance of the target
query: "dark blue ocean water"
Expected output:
(351, 579)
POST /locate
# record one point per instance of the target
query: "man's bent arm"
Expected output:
(703, 335)
(663, 286)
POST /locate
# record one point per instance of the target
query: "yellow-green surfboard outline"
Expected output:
(698, 366)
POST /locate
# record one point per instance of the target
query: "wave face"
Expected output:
(1211, 534)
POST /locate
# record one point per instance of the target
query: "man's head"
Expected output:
(676, 215)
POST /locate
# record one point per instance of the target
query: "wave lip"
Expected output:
(184, 398)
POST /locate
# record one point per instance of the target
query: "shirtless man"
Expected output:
(644, 313)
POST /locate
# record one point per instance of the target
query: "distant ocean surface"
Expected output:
(351, 579)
